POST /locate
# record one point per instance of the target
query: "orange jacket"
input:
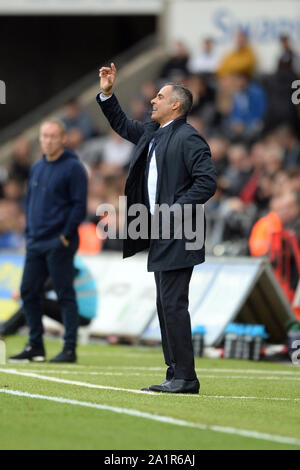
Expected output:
(260, 239)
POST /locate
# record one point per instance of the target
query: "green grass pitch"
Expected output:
(92, 404)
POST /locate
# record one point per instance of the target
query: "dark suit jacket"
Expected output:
(186, 175)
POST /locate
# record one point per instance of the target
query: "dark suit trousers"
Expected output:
(172, 289)
(44, 258)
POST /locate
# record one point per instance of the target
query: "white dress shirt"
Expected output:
(152, 177)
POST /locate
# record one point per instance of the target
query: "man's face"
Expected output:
(287, 208)
(52, 139)
(163, 107)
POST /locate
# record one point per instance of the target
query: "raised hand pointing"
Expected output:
(107, 78)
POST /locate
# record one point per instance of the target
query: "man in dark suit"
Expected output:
(171, 165)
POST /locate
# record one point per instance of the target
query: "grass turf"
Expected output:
(32, 423)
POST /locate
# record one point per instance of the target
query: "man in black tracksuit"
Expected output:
(171, 165)
(56, 205)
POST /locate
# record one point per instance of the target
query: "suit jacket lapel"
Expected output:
(143, 144)
(163, 137)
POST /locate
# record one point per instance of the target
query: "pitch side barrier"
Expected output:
(242, 290)
(222, 290)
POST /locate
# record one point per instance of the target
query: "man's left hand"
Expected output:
(64, 241)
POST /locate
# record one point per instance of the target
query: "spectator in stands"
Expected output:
(294, 179)
(218, 146)
(272, 159)
(284, 214)
(288, 59)
(249, 190)
(241, 60)
(74, 117)
(256, 155)
(74, 139)
(116, 154)
(13, 190)
(281, 183)
(233, 210)
(281, 109)
(287, 206)
(97, 194)
(291, 145)
(138, 109)
(204, 61)
(238, 171)
(223, 105)
(176, 65)
(21, 159)
(148, 92)
(266, 157)
(249, 108)
(263, 194)
(12, 226)
(198, 123)
(89, 151)
(203, 97)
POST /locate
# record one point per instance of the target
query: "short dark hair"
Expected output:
(184, 95)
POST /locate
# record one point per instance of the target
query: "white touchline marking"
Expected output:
(76, 372)
(240, 397)
(88, 385)
(119, 389)
(219, 370)
(246, 377)
(139, 374)
(295, 372)
(250, 371)
(124, 354)
(163, 419)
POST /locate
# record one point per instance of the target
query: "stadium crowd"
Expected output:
(248, 119)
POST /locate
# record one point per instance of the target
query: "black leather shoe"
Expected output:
(29, 354)
(165, 382)
(169, 377)
(177, 386)
(66, 355)
(147, 389)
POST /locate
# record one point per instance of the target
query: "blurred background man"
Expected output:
(56, 205)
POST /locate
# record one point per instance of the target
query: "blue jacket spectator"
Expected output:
(249, 107)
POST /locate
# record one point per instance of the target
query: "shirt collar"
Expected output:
(165, 125)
